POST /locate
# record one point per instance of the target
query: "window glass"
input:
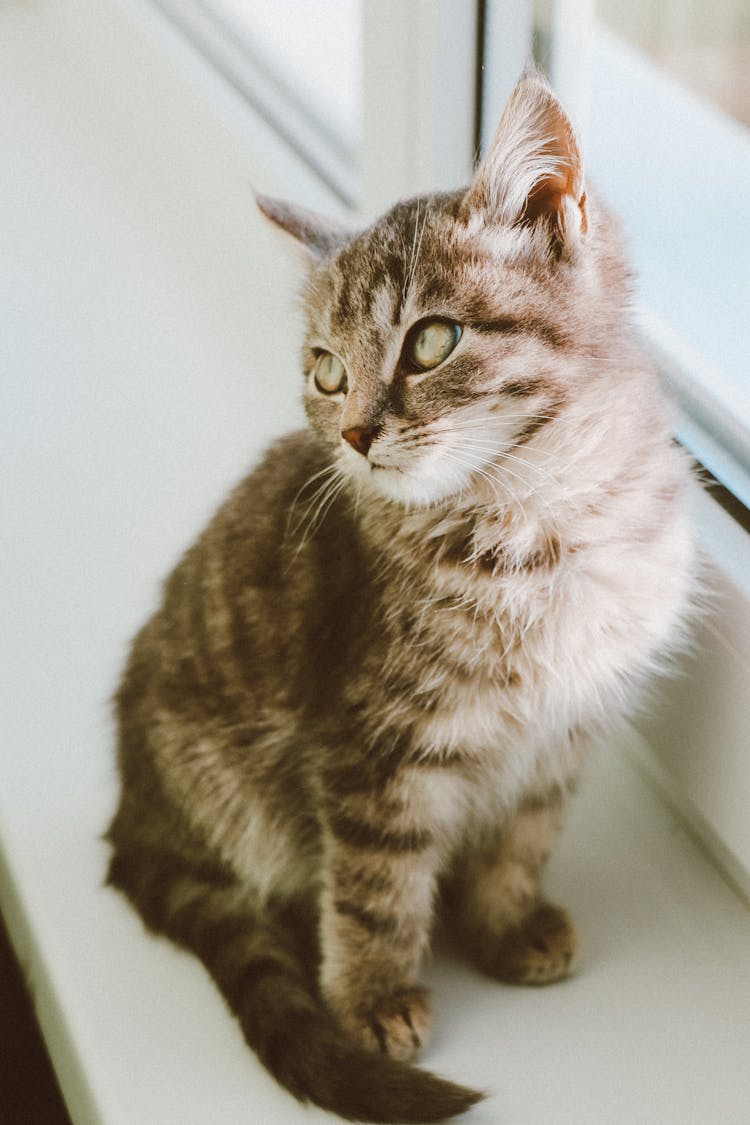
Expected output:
(668, 143)
(706, 47)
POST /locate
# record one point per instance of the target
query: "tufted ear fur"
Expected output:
(532, 172)
(316, 233)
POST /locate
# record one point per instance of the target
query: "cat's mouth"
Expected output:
(376, 466)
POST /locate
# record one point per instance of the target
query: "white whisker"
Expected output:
(500, 452)
(492, 479)
(408, 274)
(415, 254)
(327, 470)
(318, 505)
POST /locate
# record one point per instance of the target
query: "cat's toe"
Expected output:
(397, 1025)
(538, 951)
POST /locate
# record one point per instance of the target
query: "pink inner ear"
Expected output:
(546, 195)
(545, 198)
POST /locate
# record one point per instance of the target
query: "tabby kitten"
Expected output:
(372, 680)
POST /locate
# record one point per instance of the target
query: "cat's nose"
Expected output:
(360, 437)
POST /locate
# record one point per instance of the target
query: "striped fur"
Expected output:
(373, 679)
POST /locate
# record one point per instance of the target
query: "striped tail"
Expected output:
(263, 975)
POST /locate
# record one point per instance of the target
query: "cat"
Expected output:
(373, 680)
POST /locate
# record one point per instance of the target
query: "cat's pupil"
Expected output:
(330, 374)
(431, 342)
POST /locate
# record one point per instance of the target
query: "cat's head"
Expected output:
(450, 333)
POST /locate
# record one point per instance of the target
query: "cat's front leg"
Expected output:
(510, 930)
(375, 918)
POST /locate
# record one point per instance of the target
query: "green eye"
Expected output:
(430, 342)
(330, 374)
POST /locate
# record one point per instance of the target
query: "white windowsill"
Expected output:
(148, 357)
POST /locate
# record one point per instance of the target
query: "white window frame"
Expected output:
(419, 97)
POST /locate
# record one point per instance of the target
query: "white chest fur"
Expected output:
(549, 654)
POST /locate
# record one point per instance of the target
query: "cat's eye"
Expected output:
(430, 342)
(329, 374)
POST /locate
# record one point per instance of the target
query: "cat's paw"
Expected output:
(540, 950)
(397, 1025)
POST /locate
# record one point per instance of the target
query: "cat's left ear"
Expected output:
(315, 233)
(533, 171)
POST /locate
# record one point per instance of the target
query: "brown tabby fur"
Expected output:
(372, 680)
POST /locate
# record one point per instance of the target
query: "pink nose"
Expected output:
(360, 438)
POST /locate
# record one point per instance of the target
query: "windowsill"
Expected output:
(140, 294)
(664, 947)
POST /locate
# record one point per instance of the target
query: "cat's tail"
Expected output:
(260, 968)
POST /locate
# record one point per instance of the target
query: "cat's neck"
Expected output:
(483, 529)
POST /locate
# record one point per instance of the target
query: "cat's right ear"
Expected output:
(532, 172)
(315, 233)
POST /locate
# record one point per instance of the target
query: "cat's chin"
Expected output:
(407, 489)
(424, 482)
